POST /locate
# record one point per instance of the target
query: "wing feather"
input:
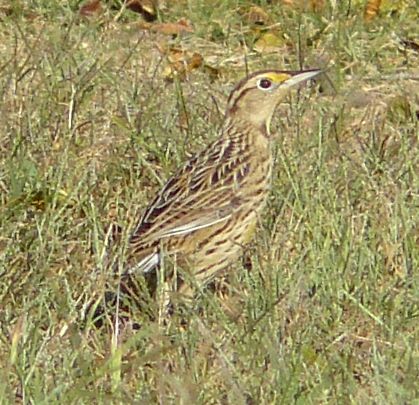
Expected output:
(204, 193)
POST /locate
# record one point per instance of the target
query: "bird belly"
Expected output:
(213, 250)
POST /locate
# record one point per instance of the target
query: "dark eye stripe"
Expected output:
(242, 89)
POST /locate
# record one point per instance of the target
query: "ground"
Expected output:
(99, 107)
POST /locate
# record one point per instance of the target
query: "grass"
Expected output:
(323, 308)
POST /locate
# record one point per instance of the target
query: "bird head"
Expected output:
(255, 98)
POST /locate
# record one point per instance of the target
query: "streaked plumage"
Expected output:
(207, 211)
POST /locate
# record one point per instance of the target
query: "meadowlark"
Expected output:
(209, 209)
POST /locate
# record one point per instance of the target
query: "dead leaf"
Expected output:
(181, 62)
(317, 5)
(91, 9)
(181, 27)
(268, 43)
(147, 8)
(371, 10)
(195, 61)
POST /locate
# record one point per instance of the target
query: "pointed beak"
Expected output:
(300, 77)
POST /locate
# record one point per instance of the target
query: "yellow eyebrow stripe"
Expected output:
(277, 77)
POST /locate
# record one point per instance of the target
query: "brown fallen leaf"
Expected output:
(91, 9)
(147, 8)
(181, 27)
(195, 61)
(371, 9)
(181, 62)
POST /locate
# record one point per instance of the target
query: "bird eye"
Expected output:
(264, 84)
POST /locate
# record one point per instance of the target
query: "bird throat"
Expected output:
(247, 127)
